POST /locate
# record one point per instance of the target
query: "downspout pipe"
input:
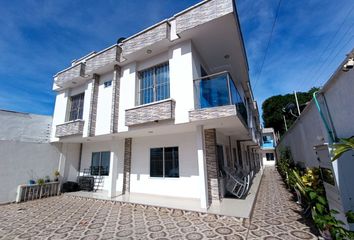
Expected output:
(331, 137)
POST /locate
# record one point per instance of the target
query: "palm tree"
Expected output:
(345, 145)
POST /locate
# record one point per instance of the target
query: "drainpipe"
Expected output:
(331, 136)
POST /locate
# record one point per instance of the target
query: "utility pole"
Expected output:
(286, 126)
(297, 103)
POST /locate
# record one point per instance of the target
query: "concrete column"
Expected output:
(93, 106)
(127, 165)
(212, 165)
(202, 168)
(62, 161)
(115, 98)
(113, 173)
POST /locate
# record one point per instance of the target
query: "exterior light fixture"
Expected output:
(349, 65)
(149, 51)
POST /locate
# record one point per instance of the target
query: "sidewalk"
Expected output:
(276, 215)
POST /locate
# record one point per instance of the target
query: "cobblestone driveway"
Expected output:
(64, 217)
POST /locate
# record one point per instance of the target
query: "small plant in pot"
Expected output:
(47, 179)
(56, 175)
(40, 181)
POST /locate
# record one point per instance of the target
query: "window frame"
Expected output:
(270, 159)
(154, 84)
(100, 163)
(80, 107)
(164, 163)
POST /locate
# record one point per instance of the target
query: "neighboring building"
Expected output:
(311, 137)
(25, 151)
(268, 146)
(163, 111)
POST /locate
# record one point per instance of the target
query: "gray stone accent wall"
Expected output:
(212, 113)
(115, 99)
(70, 128)
(211, 165)
(103, 58)
(93, 106)
(162, 110)
(203, 13)
(145, 39)
(70, 73)
(127, 165)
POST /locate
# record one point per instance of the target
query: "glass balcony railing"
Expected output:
(218, 90)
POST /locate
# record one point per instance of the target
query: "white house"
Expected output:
(268, 145)
(164, 111)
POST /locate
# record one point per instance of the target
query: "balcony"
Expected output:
(268, 144)
(102, 59)
(152, 112)
(216, 96)
(70, 74)
(70, 128)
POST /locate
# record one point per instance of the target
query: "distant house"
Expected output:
(268, 144)
(164, 111)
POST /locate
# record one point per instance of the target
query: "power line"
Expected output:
(321, 68)
(315, 71)
(268, 45)
(332, 60)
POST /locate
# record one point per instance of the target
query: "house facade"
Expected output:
(164, 111)
(268, 145)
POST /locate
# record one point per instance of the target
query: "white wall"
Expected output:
(302, 137)
(104, 105)
(115, 146)
(25, 152)
(181, 80)
(187, 185)
(22, 161)
(69, 161)
(127, 93)
(59, 111)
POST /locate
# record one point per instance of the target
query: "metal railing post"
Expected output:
(229, 89)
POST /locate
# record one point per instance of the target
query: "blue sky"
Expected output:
(40, 38)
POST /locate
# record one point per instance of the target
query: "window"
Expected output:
(270, 156)
(107, 83)
(164, 162)
(220, 158)
(100, 163)
(154, 84)
(77, 106)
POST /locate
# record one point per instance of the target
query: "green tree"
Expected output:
(272, 109)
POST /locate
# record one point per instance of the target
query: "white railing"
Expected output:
(35, 191)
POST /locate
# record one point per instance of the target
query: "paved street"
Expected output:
(64, 217)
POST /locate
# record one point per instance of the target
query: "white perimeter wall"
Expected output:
(22, 161)
(116, 148)
(187, 185)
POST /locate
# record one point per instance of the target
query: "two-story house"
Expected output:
(268, 144)
(162, 112)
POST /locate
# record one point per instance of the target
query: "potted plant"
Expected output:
(47, 179)
(56, 175)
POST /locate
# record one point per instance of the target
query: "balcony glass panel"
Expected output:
(218, 90)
